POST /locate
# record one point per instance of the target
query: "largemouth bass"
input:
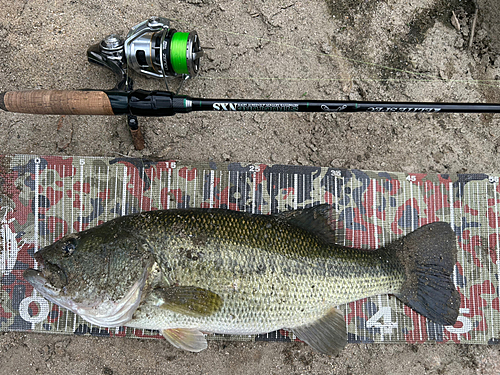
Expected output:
(187, 272)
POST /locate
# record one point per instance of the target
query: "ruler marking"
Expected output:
(462, 252)
(382, 197)
(116, 192)
(169, 180)
(237, 192)
(490, 278)
(177, 204)
(271, 190)
(220, 190)
(212, 182)
(36, 218)
(353, 239)
(82, 163)
(413, 224)
(446, 217)
(278, 194)
(159, 184)
(37, 207)
(295, 197)
(452, 211)
(304, 190)
(141, 184)
(469, 277)
(390, 234)
(132, 185)
(203, 188)
(472, 231)
(375, 244)
(495, 187)
(404, 233)
(480, 214)
(229, 188)
(429, 194)
(195, 184)
(262, 190)
(62, 229)
(337, 209)
(186, 189)
(254, 186)
(497, 230)
(124, 192)
(375, 220)
(98, 202)
(245, 186)
(74, 322)
(452, 223)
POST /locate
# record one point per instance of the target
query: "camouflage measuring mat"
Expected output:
(45, 197)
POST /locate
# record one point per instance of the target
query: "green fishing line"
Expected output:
(178, 47)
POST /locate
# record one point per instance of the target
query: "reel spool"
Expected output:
(154, 49)
(150, 48)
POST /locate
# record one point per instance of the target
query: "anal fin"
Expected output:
(189, 339)
(328, 335)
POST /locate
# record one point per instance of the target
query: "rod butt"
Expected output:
(2, 103)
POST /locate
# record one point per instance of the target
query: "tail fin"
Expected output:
(429, 255)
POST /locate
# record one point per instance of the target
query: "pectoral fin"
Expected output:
(187, 300)
(328, 335)
(188, 339)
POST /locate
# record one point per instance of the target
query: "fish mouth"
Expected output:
(38, 280)
(34, 277)
(49, 279)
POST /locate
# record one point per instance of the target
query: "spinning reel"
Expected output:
(151, 48)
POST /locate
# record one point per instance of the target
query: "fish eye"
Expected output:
(68, 248)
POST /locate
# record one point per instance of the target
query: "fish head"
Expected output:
(98, 273)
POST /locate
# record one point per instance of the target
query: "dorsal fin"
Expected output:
(317, 220)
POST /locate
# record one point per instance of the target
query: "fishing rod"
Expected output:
(154, 49)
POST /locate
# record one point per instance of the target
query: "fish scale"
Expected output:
(189, 271)
(303, 276)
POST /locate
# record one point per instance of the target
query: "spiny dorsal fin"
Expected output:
(187, 300)
(328, 335)
(316, 220)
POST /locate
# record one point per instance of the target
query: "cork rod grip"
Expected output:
(56, 102)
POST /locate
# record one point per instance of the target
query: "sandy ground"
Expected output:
(283, 49)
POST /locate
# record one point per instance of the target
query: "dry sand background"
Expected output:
(356, 49)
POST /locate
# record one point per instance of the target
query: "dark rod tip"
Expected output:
(2, 103)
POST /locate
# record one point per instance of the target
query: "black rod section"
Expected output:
(338, 106)
(164, 103)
